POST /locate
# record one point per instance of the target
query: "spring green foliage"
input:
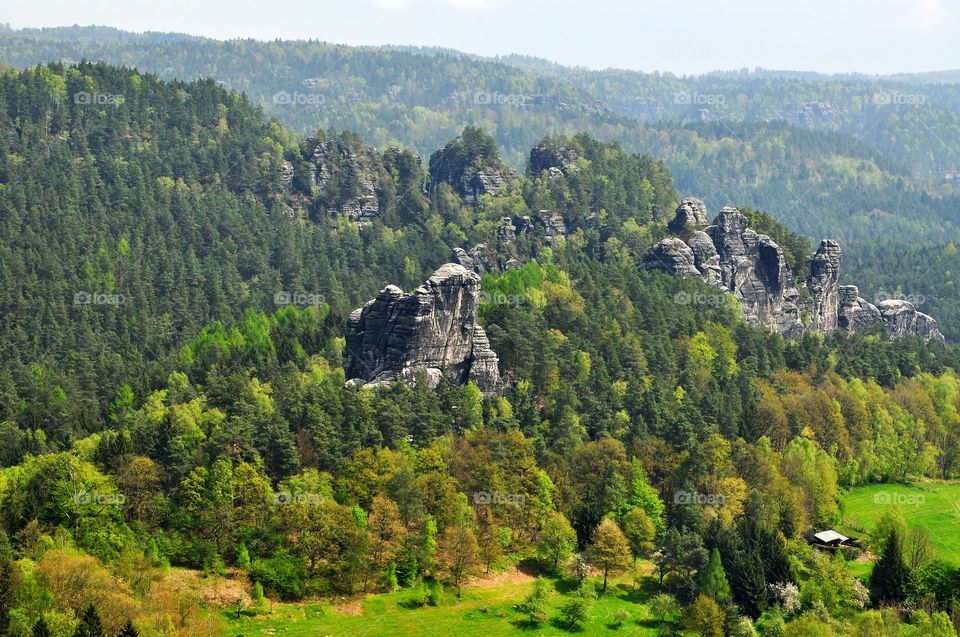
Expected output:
(201, 421)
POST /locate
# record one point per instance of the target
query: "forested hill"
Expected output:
(137, 211)
(850, 157)
(175, 277)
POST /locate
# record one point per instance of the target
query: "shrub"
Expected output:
(283, 575)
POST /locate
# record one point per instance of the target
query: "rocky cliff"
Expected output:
(471, 165)
(347, 175)
(731, 256)
(433, 331)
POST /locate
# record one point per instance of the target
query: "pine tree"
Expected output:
(713, 580)
(128, 630)
(891, 576)
(40, 629)
(89, 625)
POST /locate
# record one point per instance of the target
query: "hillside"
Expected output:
(195, 423)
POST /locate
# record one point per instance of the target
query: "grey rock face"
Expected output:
(731, 256)
(556, 160)
(899, 318)
(474, 182)
(705, 256)
(753, 267)
(433, 331)
(691, 213)
(672, 256)
(903, 319)
(330, 160)
(855, 314)
(823, 285)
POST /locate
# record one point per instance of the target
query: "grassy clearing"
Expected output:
(481, 611)
(932, 505)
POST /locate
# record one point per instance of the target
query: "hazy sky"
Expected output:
(683, 36)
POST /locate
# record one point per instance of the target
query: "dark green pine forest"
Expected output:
(183, 419)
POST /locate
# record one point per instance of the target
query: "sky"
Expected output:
(680, 36)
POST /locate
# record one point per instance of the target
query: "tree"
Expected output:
(609, 550)
(243, 558)
(40, 629)
(640, 532)
(577, 609)
(643, 495)
(713, 580)
(328, 536)
(535, 606)
(705, 617)
(891, 576)
(663, 605)
(937, 625)
(458, 553)
(387, 535)
(7, 590)
(488, 538)
(579, 567)
(129, 630)
(918, 549)
(89, 625)
(557, 540)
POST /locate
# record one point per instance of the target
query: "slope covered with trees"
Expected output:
(195, 423)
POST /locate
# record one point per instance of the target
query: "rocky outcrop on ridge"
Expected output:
(347, 177)
(433, 331)
(823, 283)
(471, 165)
(731, 256)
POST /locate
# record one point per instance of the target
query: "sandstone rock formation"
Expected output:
(692, 213)
(471, 165)
(823, 283)
(753, 267)
(433, 331)
(855, 314)
(731, 256)
(334, 162)
(903, 319)
(672, 256)
(555, 159)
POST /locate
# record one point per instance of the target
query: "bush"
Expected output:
(620, 618)
(283, 575)
(416, 597)
(435, 594)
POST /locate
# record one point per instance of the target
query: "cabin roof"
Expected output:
(830, 536)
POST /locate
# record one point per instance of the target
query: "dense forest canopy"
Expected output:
(869, 161)
(159, 407)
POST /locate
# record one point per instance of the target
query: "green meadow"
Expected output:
(932, 505)
(480, 611)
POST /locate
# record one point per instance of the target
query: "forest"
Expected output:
(164, 421)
